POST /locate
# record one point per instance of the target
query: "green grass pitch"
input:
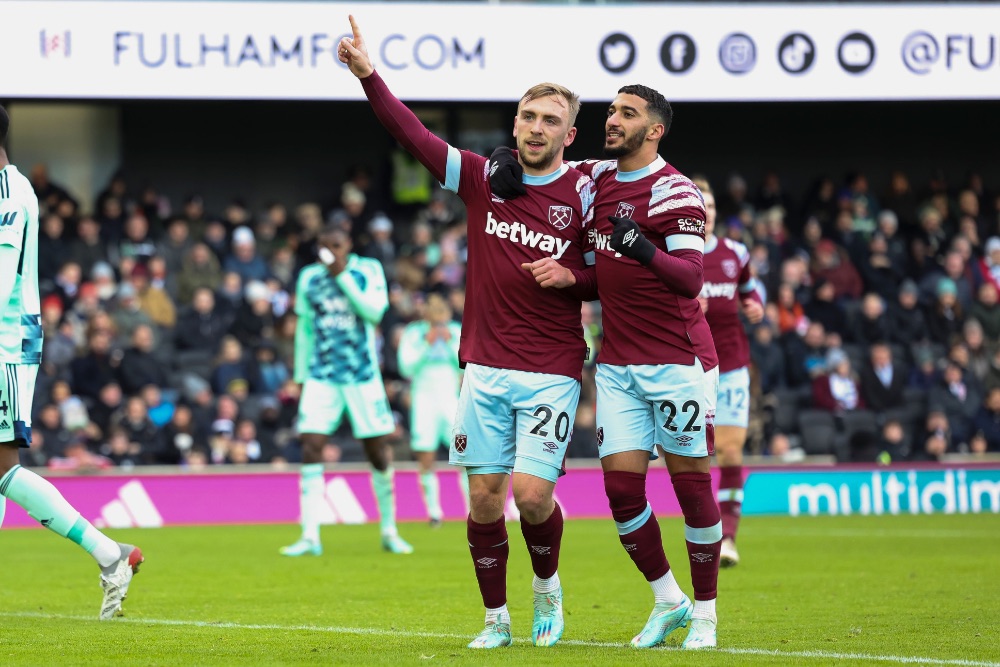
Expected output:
(810, 591)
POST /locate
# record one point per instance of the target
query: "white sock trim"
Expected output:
(704, 609)
(498, 615)
(665, 589)
(545, 585)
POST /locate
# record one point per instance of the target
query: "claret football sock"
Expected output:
(490, 549)
(702, 530)
(543, 542)
(638, 529)
(730, 499)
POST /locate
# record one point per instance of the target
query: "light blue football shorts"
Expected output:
(514, 421)
(733, 407)
(322, 406)
(642, 406)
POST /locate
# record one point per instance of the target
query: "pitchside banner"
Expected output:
(475, 52)
(150, 500)
(877, 491)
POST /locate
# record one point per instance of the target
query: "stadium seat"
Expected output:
(818, 431)
(855, 422)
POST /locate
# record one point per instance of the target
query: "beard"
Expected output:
(630, 143)
(541, 161)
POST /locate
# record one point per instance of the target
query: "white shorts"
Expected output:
(514, 421)
(431, 421)
(642, 406)
(17, 389)
(322, 406)
(734, 399)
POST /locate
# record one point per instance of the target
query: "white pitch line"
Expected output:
(920, 534)
(379, 632)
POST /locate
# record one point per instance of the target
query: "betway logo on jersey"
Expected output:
(601, 241)
(515, 232)
(718, 290)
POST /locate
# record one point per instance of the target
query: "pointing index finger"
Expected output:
(358, 40)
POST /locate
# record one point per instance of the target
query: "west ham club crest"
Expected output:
(560, 216)
(625, 210)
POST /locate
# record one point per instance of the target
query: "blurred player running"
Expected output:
(657, 373)
(20, 355)
(339, 301)
(522, 346)
(428, 356)
(729, 288)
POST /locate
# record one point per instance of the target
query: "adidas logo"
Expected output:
(487, 562)
(542, 551)
(341, 505)
(630, 547)
(45, 522)
(4, 424)
(132, 509)
(701, 558)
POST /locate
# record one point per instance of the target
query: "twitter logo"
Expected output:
(617, 53)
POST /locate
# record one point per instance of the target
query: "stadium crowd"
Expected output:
(169, 328)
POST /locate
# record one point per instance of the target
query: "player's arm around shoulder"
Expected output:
(363, 283)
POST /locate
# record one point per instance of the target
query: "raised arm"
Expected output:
(363, 283)
(430, 150)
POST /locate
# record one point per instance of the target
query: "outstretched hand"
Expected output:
(353, 53)
(627, 239)
(505, 174)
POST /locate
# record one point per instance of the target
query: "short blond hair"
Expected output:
(546, 89)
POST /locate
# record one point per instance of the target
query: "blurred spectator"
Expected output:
(66, 284)
(129, 316)
(103, 278)
(381, 245)
(806, 356)
(200, 327)
(136, 244)
(880, 272)
(959, 399)
(120, 450)
(944, 316)
(141, 432)
(768, 359)
(159, 408)
(52, 247)
(837, 388)
(895, 443)
(830, 263)
(154, 301)
(986, 425)
(245, 260)
(986, 311)
(882, 384)
(254, 320)
(823, 308)
(979, 350)
(936, 436)
(925, 374)
(791, 315)
(108, 404)
(272, 370)
(176, 246)
(900, 199)
(200, 268)
(194, 214)
(871, 324)
(231, 367)
(87, 249)
(55, 436)
(180, 437)
(953, 268)
(907, 322)
(138, 366)
(96, 368)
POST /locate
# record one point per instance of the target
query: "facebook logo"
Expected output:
(677, 53)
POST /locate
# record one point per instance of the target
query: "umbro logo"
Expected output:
(629, 238)
(701, 558)
(497, 200)
(542, 551)
(684, 439)
(630, 547)
(487, 562)
(550, 447)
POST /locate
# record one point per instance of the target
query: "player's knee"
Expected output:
(534, 504)
(626, 493)
(485, 503)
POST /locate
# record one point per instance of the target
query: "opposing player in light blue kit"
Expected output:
(20, 355)
(339, 301)
(428, 356)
